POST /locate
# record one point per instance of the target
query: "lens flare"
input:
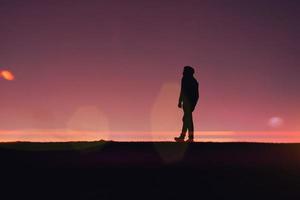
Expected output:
(7, 75)
(276, 122)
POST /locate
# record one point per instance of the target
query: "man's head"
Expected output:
(188, 71)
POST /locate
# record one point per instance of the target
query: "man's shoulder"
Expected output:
(195, 81)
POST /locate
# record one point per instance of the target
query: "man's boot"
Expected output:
(191, 137)
(180, 138)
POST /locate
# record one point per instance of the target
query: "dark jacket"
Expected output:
(189, 93)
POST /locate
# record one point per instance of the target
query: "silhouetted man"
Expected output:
(188, 99)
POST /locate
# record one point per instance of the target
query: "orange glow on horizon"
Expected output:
(200, 136)
(7, 75)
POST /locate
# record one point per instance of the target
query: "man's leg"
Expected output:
(190, 124)
(184, 126)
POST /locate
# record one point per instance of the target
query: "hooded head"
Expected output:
(188, 71)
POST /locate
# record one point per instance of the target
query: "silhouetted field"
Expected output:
(150, 170)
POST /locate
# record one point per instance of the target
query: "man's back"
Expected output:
(189, 87)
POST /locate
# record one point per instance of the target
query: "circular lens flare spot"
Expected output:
(275, 122)
(7, 75)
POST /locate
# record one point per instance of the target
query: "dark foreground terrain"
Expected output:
(147, 170)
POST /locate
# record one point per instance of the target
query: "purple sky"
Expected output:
(117, 56)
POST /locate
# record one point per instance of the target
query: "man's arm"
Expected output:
(196, 96)
(180, 95)
(197, 93)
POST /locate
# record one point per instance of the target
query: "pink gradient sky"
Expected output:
(115, 66)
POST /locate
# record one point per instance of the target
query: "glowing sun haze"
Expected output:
(113, 67)
(7, 75)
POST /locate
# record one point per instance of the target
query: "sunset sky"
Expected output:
(115, 66)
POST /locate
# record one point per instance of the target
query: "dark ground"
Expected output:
(147, 170)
